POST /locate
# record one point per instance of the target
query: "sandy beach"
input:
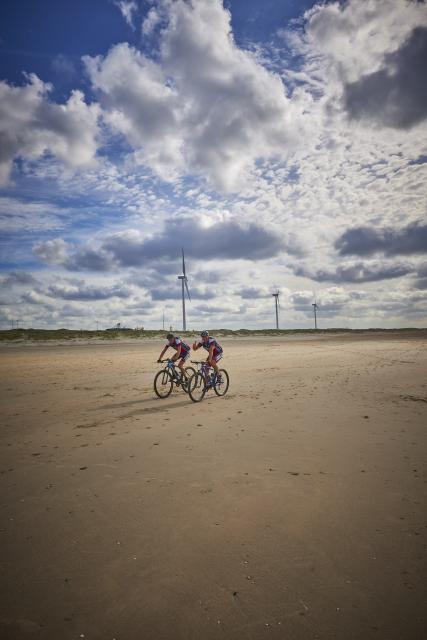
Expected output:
(292, 508)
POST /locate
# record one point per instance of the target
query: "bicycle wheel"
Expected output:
(189, 372)
(196, 387)
(221, 387)
(163, 383)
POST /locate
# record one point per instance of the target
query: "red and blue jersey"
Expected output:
(208, 343)
(176, 343)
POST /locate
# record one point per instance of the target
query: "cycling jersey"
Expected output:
(176, 343)
(207, 345)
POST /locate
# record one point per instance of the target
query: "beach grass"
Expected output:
(62, 334)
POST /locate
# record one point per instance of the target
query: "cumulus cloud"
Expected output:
(35, 297)
(79, 290)
(302, 300)
(87, 259)
(356, 272)
(330, 302)
(152, 19)
(127, 9)
(366, 59)
(252, 293)
(222, 240)
(396, 94)
(362, 241)
(31, 125)
(171, 292)
(421, 276)
(18, 216)
(354, 38)
(140, 104)
(51, 251)
(17, 278)
(206, 106)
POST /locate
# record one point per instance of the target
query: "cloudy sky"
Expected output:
(282, 143)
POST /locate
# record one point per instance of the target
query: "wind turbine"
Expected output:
(314, 305)
(184, 284)
(276, 300)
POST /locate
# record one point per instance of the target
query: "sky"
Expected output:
(281, 143)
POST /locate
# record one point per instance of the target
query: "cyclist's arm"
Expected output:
(211, 351)
(196, 345)
(163, 353)
(178, 353)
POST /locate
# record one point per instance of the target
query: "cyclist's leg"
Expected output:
(205, 371)
(181, 366)
(214, 361)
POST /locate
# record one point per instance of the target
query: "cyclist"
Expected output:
(182, 352)
(213, 347)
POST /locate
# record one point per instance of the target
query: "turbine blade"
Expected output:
(183, 262)
(186, 286)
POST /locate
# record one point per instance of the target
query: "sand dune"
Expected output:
(294, 507)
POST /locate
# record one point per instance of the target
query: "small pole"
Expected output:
(184, 324)
(276, 300)
(314, 305)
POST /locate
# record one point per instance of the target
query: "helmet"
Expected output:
(170, 336)
(205, 334)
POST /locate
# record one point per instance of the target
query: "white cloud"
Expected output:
(356, 36)
(30, 126)
(127, 9)
(21, 216)
(52, 251)
(139, 104)
(79, 290)
(152, 19)
(207, 107)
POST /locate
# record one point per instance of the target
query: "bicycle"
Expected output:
(170, 375)
(201, 381)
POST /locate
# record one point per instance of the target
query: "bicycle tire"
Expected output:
(222, 388)
(163, 379)
(189, 372)
(196, 387)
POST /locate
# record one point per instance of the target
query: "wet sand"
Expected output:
(294, 507)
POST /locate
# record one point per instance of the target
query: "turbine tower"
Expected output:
(184, 286)
(276, 300)
(314, 305)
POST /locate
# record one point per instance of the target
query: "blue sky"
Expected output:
(282, 143)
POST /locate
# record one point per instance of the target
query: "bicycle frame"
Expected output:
(171, 366)
(203, 368)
